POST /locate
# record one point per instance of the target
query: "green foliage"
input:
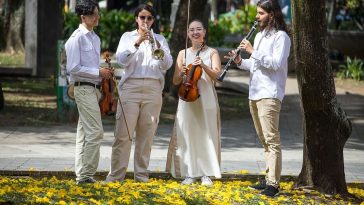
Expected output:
(71, 22)
(355, 14)
(237, 22)
(353, 4)
(216, 34)
(353, 69)
(112, 25)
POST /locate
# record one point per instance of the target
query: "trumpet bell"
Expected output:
(158, 54)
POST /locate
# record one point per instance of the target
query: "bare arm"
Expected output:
(177, 76)
(215, 70)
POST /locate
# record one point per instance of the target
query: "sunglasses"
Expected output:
(149, 18)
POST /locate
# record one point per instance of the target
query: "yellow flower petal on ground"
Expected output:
(243, 171)
(249, 195)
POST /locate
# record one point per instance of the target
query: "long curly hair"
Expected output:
(273, 7)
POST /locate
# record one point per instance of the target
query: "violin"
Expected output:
(188, 90)
(109, 98)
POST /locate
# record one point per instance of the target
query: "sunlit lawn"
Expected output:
(53, 191)
(8, 59)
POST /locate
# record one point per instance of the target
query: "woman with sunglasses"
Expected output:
(140, 90)
(194, 150)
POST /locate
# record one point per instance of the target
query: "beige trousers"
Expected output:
(142, 101)
(89, 131)
(265, 114)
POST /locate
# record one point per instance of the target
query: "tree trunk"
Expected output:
(178, 40)
(326, 126)
(72, 6)
(115, 4)
(2, 101)
(331, 7)
(14, 13)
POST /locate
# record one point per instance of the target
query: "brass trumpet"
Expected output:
(157, 52)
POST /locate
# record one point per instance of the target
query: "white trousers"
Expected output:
(142, 101)
(89, 131)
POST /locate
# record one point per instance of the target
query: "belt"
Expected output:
(87, 83)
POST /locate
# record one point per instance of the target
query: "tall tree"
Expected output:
(326, 126)
(178, 40)
(13, 25)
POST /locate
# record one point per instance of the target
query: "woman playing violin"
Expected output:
(194, 150)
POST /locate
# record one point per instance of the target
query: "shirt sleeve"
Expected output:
(167, 60)
(73, 52)
(275, 60)
(126, 50)
(246, 64)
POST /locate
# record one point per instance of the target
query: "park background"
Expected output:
(33, 82)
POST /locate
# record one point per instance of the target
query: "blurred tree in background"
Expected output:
(12, 20)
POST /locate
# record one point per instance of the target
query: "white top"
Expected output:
(198, 128)
(268, 65)
(83, 56)
(138, 62)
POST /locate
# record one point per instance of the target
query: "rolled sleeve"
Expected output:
(125, 50)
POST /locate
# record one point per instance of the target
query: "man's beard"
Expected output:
(263, 24)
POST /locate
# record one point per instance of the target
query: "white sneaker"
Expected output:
(206, 181)
(188, 180)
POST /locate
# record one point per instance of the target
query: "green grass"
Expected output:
(33, 102)
(28, 102)
(7, 59)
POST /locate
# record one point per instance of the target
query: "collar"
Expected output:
(85, 30)
(268, 33)
(135, 32)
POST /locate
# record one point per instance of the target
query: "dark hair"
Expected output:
(144, 7)
(273, 7)
(203, 26)
(86, 7)
(197, 20)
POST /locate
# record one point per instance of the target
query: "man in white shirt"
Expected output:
(140, 93)
(83, 56)
(268, 74)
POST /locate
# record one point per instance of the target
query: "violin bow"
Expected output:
(108, 61)
(188, 20)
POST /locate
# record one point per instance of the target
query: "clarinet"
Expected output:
(227, 66)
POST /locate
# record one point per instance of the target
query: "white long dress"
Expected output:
(194, 149)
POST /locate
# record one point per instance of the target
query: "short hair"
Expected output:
(86, 7)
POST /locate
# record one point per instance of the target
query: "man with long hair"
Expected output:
(268, 74)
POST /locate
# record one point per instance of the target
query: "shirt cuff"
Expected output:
(255, 55)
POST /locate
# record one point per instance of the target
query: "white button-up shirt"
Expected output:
(268, 65)
(138, 62)
(83, 56)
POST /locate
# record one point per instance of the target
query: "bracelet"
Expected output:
(136, 45)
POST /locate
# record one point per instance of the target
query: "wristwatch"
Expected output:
(136, 45)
